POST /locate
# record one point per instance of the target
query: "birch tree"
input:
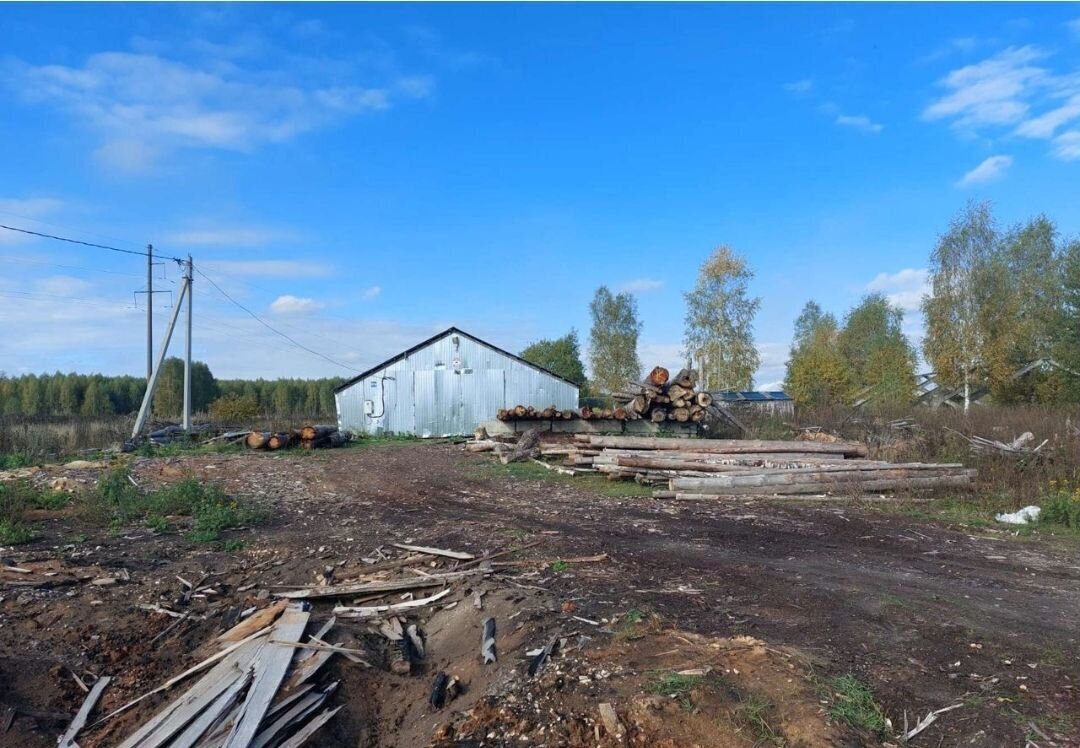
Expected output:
(879, 358)
(816, 372)
(613, 340)
(954, 341)
(719, 323)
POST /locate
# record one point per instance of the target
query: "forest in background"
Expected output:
(96, 395)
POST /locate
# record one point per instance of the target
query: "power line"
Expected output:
(85, 244)
(270, 327)
(85, 268)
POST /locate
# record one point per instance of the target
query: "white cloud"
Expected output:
(267, 268)
(61, 285)
(990, 92)
(904, 288)
(289, 304)
(144, 103)
(804, 86)
(859, 122)
(990, 170)
(1016, 89)
(226, 237)
(1067, 146)
(639, 285)
(126, 156)
(370, 294)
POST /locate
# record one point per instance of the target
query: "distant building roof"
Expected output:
(735, 396)
(438, 336)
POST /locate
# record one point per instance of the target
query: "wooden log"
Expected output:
(658, 415)
(520, 411)
(682, 415)
(957, 480)
(501, 414)
(257, 439)
(619, 414)
(728, 446)
(586, 415)
(658, 377)
(823, 479)
(548, 413)
(316, 432)
(704, 399)
(280, 440)
(678, 392)
(527, 447)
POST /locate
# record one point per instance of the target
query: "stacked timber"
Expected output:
(661, 397)
(710, 468)
(307, 437)
(529, 413)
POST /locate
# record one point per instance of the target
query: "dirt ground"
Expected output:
(709, 624)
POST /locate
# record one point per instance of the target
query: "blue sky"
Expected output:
(362, 175)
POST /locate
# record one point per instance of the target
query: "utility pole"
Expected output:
(151, 386)
(188, 268)
(149, 311)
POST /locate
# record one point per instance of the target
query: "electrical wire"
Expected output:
(84, 268)
(270, 327)
(85, 244)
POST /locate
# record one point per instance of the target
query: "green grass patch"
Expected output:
(753, 713)
(852, 703)
(560, 566)
(13, 461)
(1062, 510)
(678, 687)
(14, 532)
(19, 497)
(117, 502)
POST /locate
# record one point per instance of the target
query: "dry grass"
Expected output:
(936, 437)
(52, 436)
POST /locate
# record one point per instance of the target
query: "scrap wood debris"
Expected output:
(259, 689)
(1017, 449)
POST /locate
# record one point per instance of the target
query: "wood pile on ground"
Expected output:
(661, 397)
(686, 468)
(264, 682)
(529, 413)
(307, 437)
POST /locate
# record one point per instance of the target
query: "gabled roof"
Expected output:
(439, 336)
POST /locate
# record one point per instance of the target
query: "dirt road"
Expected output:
(926, 616)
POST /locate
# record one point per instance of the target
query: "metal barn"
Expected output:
(444, 386)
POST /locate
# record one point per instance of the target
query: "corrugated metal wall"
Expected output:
(447, 388)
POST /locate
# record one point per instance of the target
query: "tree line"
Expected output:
(999, 300)
(718, 339)
(73, 394)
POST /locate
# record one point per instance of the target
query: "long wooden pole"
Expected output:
(151, 386)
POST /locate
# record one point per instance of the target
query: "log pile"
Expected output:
(307, 437)
(529, 413)
(661, 397)
(711, 468)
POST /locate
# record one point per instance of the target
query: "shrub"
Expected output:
(234, 408)
(1062, 509)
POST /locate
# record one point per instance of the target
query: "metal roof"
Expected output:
(734, 396)
(438, 336)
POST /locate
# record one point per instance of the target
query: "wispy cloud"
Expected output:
(804, 86)
(227, 236)
(904, 288)
(370, 294)
(859, 122)
(267, 268)
(32, 209)
(640, 285)
(1074, 27)
(1067, 146)
(289, 304)
(990, 170)
(1015, 92)
(142, 104)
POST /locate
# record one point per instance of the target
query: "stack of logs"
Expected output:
(711, 468)
(307, 437)
(529, 413)
(661, 397)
